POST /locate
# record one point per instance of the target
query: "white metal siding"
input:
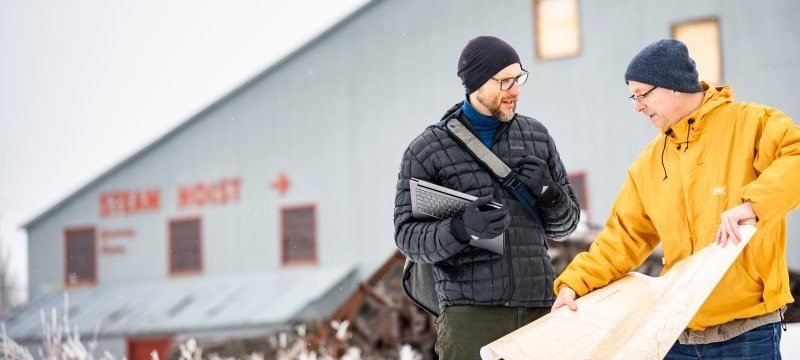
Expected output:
(337, 115)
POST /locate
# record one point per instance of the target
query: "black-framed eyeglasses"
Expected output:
(641, 99)
(507, 83)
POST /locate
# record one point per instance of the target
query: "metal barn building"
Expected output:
(270, 204)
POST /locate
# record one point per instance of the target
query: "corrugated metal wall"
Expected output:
(336, 116)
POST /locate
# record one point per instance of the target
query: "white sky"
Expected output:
(86, 83)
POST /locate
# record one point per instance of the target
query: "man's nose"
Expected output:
(514, 89)
(638, 107)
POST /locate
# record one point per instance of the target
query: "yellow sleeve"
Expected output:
(777, 159)
(625, 242)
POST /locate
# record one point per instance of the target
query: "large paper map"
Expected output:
(635, 317)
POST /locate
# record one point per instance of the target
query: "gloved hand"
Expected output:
(476, 224)
(535, 173)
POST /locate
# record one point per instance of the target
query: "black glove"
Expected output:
(476, 224)
(535, 173)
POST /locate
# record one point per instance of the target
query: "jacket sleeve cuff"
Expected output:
(459, 231)
(560, 283)
(551, 196)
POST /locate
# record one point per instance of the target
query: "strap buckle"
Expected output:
(512, 182)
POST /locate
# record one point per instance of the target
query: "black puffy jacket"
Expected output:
(464, 274)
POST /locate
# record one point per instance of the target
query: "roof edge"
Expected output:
(191, 120)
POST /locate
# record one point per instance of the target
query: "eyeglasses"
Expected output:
(641, 99)
(507, 83)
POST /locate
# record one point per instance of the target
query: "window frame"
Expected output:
(67, 272)
(313, 233)
(674, 28)
(537, 34)
(170, 246)
(583, 202)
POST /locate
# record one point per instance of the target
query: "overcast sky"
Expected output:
(86, 83)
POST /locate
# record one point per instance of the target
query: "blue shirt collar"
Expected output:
(477, 119)
(486, 126)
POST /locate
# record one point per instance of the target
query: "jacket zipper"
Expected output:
(510, 273)
(507, 246)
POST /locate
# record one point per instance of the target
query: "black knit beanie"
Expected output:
(666, 64)
(482, 58)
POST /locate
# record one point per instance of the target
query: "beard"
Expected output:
(494, 106)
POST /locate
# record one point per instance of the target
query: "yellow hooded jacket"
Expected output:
(720, 155)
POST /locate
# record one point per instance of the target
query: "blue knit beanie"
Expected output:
(482, 58)
(666, 64)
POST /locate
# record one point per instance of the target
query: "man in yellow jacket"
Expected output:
(715, 163)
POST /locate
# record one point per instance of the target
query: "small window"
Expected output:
(580, 186)
(557, 28)
(703, 40)
(299, 235)
(185, 250)
(81, 257)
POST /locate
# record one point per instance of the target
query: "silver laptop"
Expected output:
(434, 202)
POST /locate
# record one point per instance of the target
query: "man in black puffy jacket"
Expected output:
(485, 295)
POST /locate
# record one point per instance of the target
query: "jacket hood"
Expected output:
(687, 129)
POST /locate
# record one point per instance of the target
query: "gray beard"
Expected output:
(495, 111)
(504, 117)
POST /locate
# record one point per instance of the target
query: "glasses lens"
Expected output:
(506, 84)
(522, 78)
(641, 99)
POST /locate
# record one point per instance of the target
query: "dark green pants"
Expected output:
(462, 330)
